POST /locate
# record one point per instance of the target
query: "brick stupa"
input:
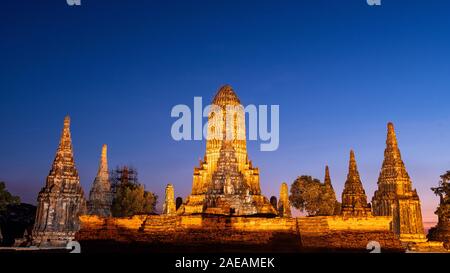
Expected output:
(100, 196)
(61, 201)
(354, 198)
(395, 196)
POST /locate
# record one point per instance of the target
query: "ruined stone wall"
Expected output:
(219, 233)
(379, 223)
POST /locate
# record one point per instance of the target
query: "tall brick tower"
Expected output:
(226, 182)
(395, 196)
(61, 201)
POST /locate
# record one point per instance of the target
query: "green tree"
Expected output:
(305, 194)
(130, 197)
(309, 195)
(6, 198)
(133, 200)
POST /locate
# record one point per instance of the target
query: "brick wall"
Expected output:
(221, 233)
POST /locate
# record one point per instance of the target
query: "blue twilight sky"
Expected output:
(340, 70)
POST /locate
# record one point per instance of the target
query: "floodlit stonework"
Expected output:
(395, 196)
(354, 199)
(229, 233)
(284, 207)
(169, 207)
(100, 196)
(226, 183)
(61, 201)
(225, 192)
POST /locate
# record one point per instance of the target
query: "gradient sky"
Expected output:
(340, 70)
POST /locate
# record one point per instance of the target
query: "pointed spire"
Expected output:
(67, 122)
(392, 151)
(391, 139)
(100, 198)
(393, 175)
(327, 180)
(101, 182)
(352, 167)
(354, 199)
(329, 192)
(65, 143)
(103, 166)
(64, 164)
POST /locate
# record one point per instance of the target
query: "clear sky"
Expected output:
(340, 70)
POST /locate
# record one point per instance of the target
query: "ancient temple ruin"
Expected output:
(61, 201)
(169, 207)
(327, 180)
(226, 183)
(395, 196)
(284, 207)
(100, 196)
(354, 199)
(329, 192)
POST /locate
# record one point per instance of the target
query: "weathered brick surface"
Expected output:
(219, 233)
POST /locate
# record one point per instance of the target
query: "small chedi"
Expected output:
(284, 207)
(395, 196)
(61, 201)
(100, 197)
(169, 207)
(226, 183)
(330, 193)
(354, 199)
(327, 180)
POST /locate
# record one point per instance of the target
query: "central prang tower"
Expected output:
(226, 183)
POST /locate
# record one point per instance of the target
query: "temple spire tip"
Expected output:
(352, 155)
(391, 137)
(327, 180)
(67, 121)
(390, 126)
(104, 149)
(352, 163)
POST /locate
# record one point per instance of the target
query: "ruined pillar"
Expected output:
(169, 207)
(284, 207)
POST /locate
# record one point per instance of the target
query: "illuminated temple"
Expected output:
(395, 195)
(226, 183)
